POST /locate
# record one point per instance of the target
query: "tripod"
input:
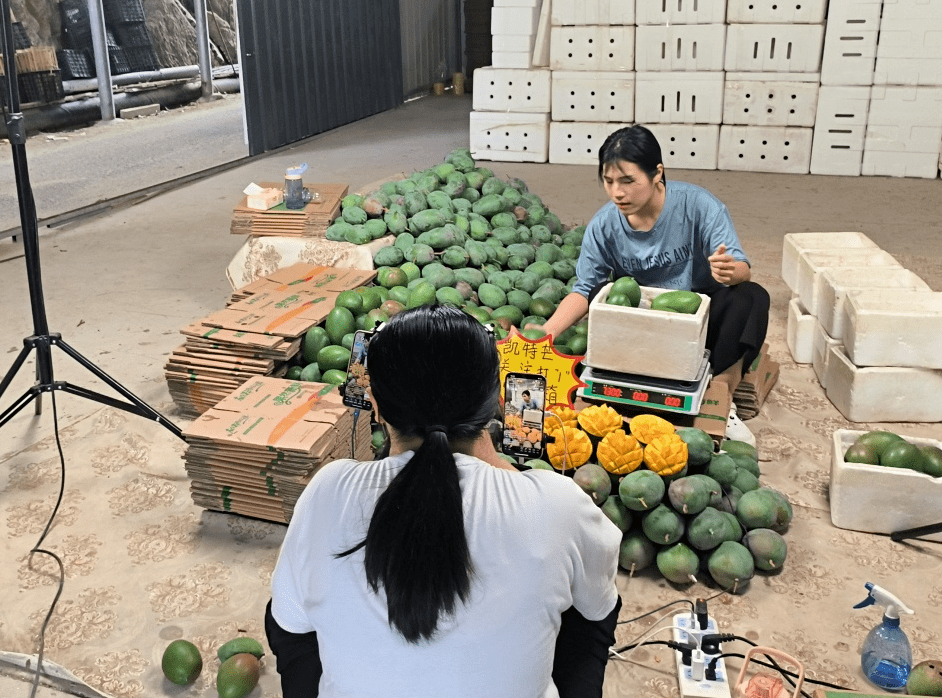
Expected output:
(42, 341)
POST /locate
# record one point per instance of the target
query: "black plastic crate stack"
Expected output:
(75, 65)
(20, 37)
(126, 17)
(38, 75)
(76, 29)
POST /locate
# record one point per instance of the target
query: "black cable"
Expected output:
(670, 643)
(353, 434)
(667, 605)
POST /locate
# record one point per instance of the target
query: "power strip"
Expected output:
(691, 679)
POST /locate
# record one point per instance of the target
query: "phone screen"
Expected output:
(357, 384)
(524, 396)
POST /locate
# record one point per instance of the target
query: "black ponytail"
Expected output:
(434, 375)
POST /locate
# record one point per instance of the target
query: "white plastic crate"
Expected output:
(904, 130)
(850, 42)
(799, 332)
(770, 99)
(776, 11)
(514, 20)
(592, 12)
(813, 263)
(877, 499)
(883, 393)
(509, 137)
(679, 98)
(517, 60)
(589, 96)
(597, 48)
(837, 284)
(784, 149)
(578, 142)
(909, 52)
(680, 47)
(821, 345)
(839, 130)
(794, 244)
(902, 328)
(778, 48)
(680, 12)
(688, 146)
(502, 89)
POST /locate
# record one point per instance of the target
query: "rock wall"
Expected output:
(169, 22)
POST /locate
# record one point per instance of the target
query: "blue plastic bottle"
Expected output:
(886, 657)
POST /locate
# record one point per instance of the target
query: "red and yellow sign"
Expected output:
(521, 355)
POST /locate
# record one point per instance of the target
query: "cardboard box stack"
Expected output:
(312, 220)
(256, 450)
(255, 334)
(868, 326)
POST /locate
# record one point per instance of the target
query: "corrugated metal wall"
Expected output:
(431, 40)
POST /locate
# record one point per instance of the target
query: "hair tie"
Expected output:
(434, 428)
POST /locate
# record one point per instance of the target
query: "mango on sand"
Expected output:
(594, 481)
(925, 679)
(641, 490)
(768, 548)
(710, 528)
(678, 563)
(663, 525)
(181, 662)
(636, 552)
(617, 513)
(689, 495)
(237, 676)
(731, 566)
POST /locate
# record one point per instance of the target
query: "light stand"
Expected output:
(42, 341)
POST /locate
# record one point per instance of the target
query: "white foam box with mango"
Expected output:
(877, 499)
(646, 342)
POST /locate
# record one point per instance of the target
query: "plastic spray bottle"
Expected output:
(886, 656)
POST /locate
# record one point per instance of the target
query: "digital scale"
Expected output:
(645, 391)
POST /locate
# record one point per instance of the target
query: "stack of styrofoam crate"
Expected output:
(679, 50)
(904, 125)
(866, 324)
(511, 99)
(773, 64)
(593, 88)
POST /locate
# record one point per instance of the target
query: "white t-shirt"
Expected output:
(538, 545)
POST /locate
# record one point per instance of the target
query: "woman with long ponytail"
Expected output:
(441, 570)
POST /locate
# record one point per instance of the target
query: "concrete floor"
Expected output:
(119, 286)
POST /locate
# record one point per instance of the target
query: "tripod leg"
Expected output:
(11, 411)
(39, 395)
(17, 364)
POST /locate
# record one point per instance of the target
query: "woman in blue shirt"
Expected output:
(675, 235)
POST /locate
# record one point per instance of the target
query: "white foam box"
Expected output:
(799, 332)
(813, 263)
(595, 48)
(688, 146)
(679, 97)
(590, 96)
(904, 130)
(839, 130)
(850, 42)
(778, 48)
(662, 344)
(514, 20)
(592, 12)
(509, 137)
(770, 99)
(680, 12)
(519, 60)
(506, 89)
(776, 11)
(883, 393)
(909, 52)
(698, 47)
(836, 284)
(912, 9)
(518, 3)
(900, 328)
(578, 142)
(877, 499)
(795, 243)
(783, 149)
(821, 344)
(512, 43)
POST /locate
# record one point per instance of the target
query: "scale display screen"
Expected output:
(638, 395)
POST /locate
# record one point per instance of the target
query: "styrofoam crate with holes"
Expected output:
(821, 345)
(592, 96)
(776, 11)
(509, 137)
(837, 284)
(512, 43)
(592, 12)
(680, 12)
(783, 149)
(514, 20)
(901, 328)
(770, 99)
(688, 146)
(877, 499)
(912, 9)
(597, 48)
(695, 47)
(883, 393)
(794, 244)
(839, 129)
(799, 332)
(778, 48)
(909, 52)
(578, 142)
(679, 97)
(904, 130)
(506, 89)
(813, 263)
(850, 42)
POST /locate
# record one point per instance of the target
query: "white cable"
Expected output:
(644, 638)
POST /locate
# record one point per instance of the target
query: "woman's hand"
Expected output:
(723, 266)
